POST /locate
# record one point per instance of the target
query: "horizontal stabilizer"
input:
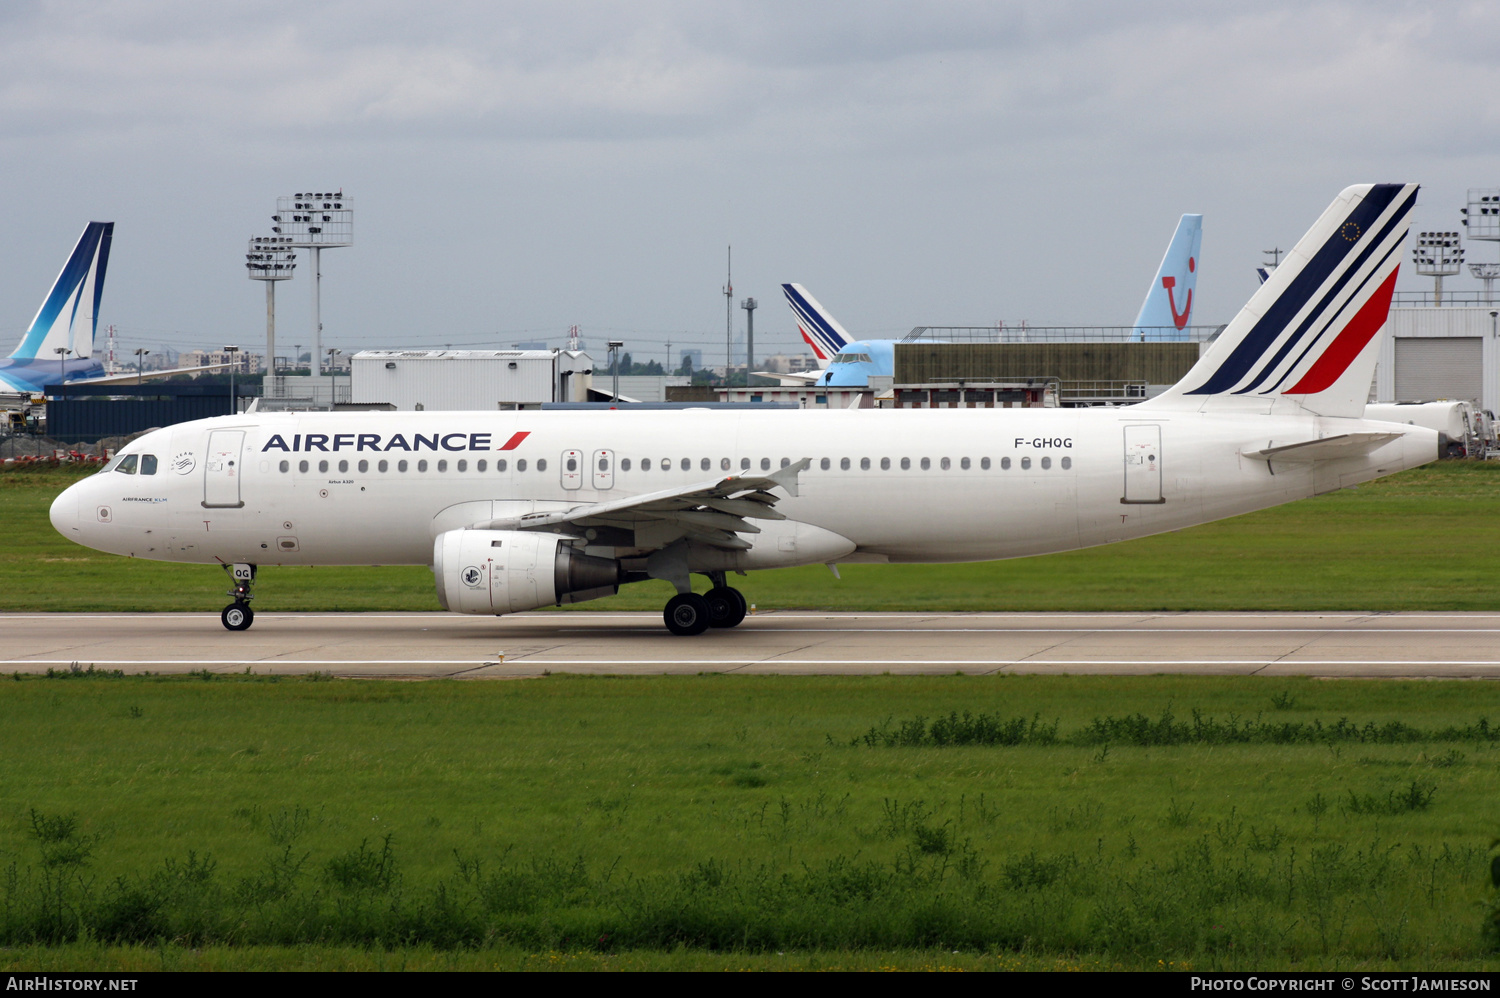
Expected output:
(1324, 448)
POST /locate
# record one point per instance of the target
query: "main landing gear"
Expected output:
(238, 616)
(721, 606)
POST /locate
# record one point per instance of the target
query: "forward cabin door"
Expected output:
(221, 470)
(1142, 464)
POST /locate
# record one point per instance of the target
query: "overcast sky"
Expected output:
(520, 167)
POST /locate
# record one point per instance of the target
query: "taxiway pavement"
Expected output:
(420, 645)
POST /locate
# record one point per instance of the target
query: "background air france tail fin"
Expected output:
(1168, 308)
(821, 330)
(69, 316)
(1307, 339)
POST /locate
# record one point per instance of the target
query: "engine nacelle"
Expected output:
(506, 571)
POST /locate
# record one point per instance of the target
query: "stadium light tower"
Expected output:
(1482, 221)
(1437, 255)
(316, 221)
(270, 259)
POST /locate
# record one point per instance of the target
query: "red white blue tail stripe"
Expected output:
(1308, 330)
(821, 330)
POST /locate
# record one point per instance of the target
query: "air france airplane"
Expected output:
(67, 320)
(519, 510)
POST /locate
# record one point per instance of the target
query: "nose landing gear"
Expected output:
(238, 616)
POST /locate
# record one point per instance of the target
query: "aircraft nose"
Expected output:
(64, 511)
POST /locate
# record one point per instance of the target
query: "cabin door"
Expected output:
(1142, 464)
(221, 470)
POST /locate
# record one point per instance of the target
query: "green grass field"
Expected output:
(720, 822)
(1427, 539)
(741, 821)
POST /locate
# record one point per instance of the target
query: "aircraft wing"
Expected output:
(792, 380)
(1324, 448)
(712, 512)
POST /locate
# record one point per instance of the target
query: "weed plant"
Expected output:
(749, 815)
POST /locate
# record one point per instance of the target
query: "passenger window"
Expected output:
(744, 464)
(843, 464)
(148, 464)
(984, 463)
(705, 464)
(906, 464)
(604, 464)
(785, 461)
(463, 466)
(302, 467)
(964, 463)
(383, 466)
(765, 464)
(127, 466)
(400, 465)
(824, 464)
(1046, 463)
(1005, 464)
(481, 464)
(864, 464)
(1025, 463)
(926, 463)
(343, 467)
(945, 464)
(624, 464)
(645, 464)
(885, 464)
(520, 464)
(687, 464)
(422, 465)
(364, 466)
(286, 466)
(1067, 463)
(572, 464)
(541, 464)
(723, 464)
(500, 464)
(442, 464)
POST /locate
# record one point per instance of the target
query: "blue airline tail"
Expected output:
(67, 321)
(1168, 308)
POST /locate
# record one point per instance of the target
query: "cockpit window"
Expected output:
(148, 464)
(127, 464)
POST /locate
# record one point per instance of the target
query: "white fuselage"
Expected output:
(918, 486)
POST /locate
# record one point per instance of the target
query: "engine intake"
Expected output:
(506, 571)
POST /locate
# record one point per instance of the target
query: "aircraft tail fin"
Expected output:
(1168, 308)
(821, 330)
(69, 315)
(1307, 339)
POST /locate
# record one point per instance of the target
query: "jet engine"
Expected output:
(506, 571)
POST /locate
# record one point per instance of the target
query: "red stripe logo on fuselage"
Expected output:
(515, 440)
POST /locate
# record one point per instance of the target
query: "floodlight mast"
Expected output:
(316, 221)
(270, 259)
(1482, 222)
(749, 305)
(1437, 255)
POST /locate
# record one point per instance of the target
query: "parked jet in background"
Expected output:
(1168, 309)
(1165, 315)
(67, 320)
(519, 510)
